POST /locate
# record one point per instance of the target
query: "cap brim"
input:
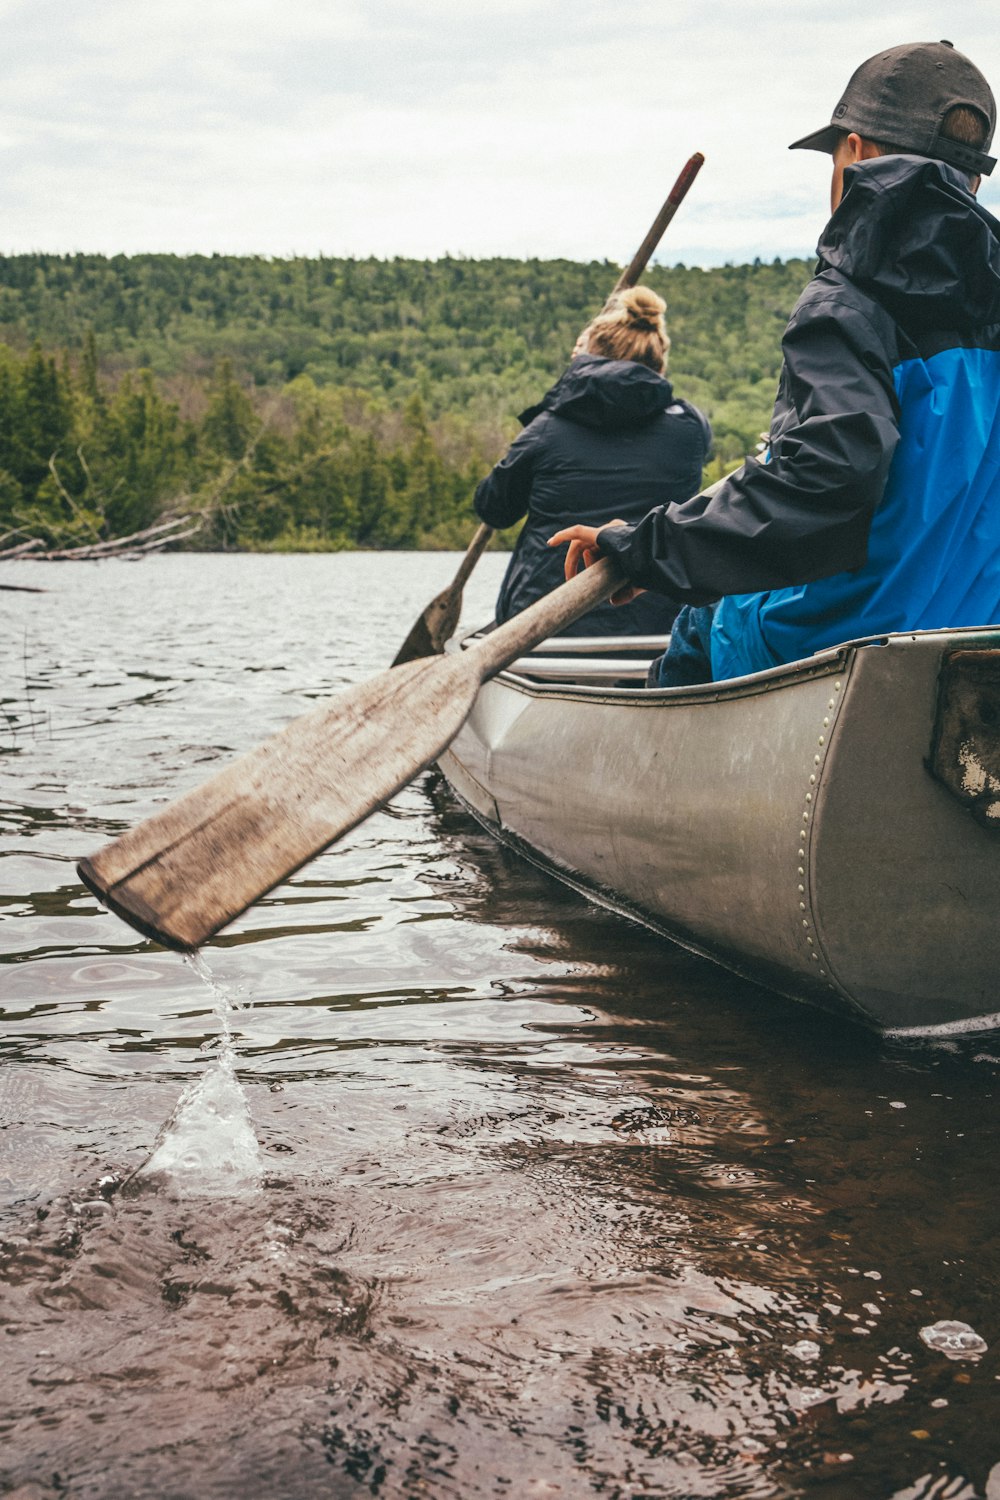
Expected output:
(824, 140)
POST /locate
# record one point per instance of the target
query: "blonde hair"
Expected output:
(632, 326)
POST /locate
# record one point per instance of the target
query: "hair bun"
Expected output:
(642, 307)
(631, 326)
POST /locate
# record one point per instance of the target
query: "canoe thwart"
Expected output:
(570, 669)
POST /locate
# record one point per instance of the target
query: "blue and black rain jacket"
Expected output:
(879, 506)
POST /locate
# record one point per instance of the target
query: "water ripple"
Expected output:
(434, 1180)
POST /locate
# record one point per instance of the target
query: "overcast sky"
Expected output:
(426, 127)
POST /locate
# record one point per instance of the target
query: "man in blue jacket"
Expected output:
(877, 507)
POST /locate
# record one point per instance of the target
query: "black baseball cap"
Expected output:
(901, 97)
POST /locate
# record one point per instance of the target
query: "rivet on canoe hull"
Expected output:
(821, 742)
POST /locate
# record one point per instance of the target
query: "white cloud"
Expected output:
(548, 127)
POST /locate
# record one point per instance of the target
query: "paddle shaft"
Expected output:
(675, 198)
(475, 551)
(428, 629)
(547, 616)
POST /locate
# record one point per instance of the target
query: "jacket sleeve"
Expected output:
(807, 513)
(502, 497)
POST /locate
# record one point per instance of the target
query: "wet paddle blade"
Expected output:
(433, 629)
(192, 868)
(184, 873)
(436, 626)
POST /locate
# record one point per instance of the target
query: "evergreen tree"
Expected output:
(141, 459)
(230, 421)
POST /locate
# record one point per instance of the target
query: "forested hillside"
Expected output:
(319, 402)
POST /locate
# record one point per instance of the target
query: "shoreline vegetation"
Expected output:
(224, 403)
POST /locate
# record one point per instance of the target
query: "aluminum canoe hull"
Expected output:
(787, 825)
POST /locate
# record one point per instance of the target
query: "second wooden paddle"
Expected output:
(436, 626)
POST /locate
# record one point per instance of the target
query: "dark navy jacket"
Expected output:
(879, 509)
(609, 440)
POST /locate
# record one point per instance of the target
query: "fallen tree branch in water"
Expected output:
(22, 548)
(150, 539)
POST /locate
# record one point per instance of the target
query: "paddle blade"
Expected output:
(183, 874)
(433, 629)
(436, 626)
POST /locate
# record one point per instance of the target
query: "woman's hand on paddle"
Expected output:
(583, 552)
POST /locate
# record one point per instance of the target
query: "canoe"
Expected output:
(830, 829)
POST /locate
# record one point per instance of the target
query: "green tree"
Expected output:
(230, 420)
(141, 460)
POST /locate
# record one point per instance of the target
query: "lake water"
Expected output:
(427, 1178)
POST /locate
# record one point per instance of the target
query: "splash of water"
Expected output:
(208, 1148)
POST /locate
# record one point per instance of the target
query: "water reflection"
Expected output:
(546, 1206)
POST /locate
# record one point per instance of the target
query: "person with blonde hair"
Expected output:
(608, 441)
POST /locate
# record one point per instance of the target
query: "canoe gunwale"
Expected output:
(822, 663)
(829, 664)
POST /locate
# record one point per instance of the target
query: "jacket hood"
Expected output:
(607, 394)
(909, 232)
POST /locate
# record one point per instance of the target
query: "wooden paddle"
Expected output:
(436, 625)
(188, 870)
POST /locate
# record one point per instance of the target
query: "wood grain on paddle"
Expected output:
(183, 874)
